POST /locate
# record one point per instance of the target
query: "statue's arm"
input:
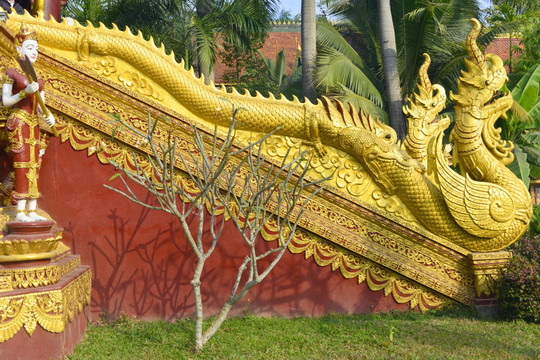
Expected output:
(10, 99)
(42, 93)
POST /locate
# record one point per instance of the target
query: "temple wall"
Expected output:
(142, 265)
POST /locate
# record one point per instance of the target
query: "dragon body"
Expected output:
(439, 201)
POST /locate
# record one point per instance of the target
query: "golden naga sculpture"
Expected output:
(485, 208)
(422, 113)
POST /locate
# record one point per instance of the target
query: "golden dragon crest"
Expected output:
(483, 208)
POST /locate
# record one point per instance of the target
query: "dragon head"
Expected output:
(422, 113)
(485, 74)
(479, 96)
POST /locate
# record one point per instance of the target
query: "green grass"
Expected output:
(408, 335)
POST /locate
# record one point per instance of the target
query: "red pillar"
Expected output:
(53, 8)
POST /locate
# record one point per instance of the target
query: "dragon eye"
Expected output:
(486, 82)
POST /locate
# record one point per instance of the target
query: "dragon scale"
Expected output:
(447, 204)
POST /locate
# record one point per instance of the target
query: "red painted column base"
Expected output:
(44, 344)
(63, 308)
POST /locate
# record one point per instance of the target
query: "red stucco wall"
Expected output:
(142, 266)
(281, 37)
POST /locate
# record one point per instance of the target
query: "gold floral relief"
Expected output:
(135, 82)
(22, 278)
(52, 310)
(343, 172)
(104, 66)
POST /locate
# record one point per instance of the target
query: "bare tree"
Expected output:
(230, 183)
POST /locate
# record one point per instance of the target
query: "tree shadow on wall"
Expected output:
(163, 279)
(294, 288)
(137, 277)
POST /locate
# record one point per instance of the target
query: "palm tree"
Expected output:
(351, 67)
(520, 13)
(193, 29)
(308, 49)
(390, 67)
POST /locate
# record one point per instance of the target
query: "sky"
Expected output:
(294, 6)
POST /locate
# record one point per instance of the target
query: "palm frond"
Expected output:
(330, 43)
(205, 43)
(519, 113)
(334, 67)
(348, 96)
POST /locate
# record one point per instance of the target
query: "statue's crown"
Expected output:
(24, 34)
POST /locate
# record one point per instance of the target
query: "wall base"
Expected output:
(44, 307)
(44, 344)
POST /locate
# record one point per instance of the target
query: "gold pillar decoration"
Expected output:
(486, 268)
(41, 282)
(52, 310)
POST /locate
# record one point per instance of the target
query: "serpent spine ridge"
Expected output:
(484, 209)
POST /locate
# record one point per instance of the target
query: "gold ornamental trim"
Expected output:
(486, 269)
(93, 135)
(15, 248)
(351, 265)
(52, 310)
(378, 278)
(36, 276)
(23, 246)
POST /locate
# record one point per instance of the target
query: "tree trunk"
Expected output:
(308, 49)
(390, 68)
(511, 54)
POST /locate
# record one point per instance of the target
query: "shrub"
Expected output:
(534, 226)
(519, 285)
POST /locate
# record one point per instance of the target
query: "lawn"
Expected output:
(408, 335)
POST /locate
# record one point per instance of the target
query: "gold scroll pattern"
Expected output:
(36, 276)
(136, 82)
(324, 253)
(417, 256)
(108, 66)
(52, 310)
(344, 173)
(351, 265)
(411, 253)
(86, 138)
